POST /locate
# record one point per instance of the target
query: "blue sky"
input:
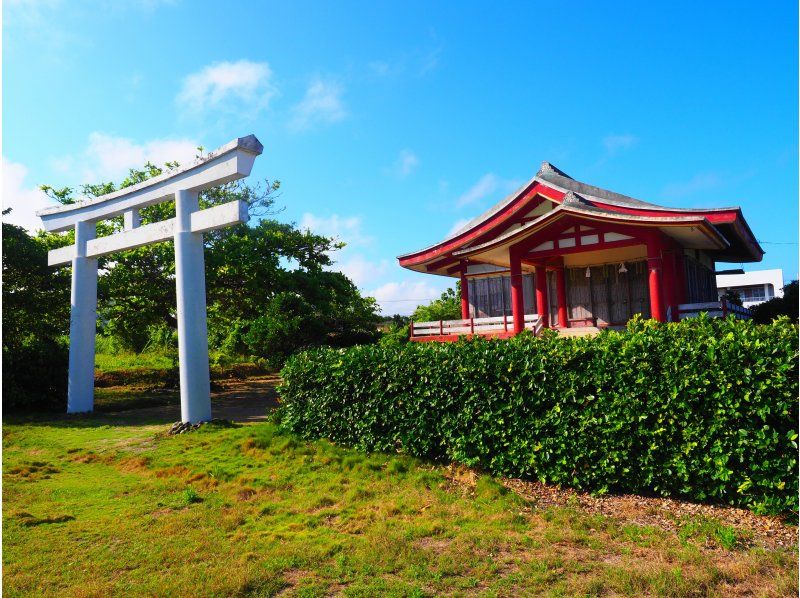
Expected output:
(390, 123)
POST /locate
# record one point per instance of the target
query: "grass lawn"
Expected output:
(156, 361)
(94, 507)
(123, 360)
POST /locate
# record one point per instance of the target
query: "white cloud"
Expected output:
(231, 86)
(404, 297)
(360, 270)
(23, 201)
(151, 5)
(615, 143)
(31, 7)
(352, 263)
(39, 24)
(407, 161)
(322, 104)
(43, 24)
(430, 60)
(108, 158)
(458, 225)
(487, 185)
(131, 86)
(358, 262)
(700, 182)
(381, 68)
(343, 228)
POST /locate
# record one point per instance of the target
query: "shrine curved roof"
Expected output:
(552, 183)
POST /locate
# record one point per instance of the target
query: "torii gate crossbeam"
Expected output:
(228, 163)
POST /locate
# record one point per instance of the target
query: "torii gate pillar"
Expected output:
(190, 280)
(82, 323)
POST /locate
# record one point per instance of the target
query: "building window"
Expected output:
(752, 294)
(701, 284)
(491, 296)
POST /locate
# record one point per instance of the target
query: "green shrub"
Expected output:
(287, 324)
(395, 334)
(35, 376)
(702, 409)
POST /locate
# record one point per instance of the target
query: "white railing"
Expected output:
(714, 309)
(473, 326)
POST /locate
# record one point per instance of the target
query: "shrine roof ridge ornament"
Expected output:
(230, 162)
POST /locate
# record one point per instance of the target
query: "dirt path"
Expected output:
(242, 401)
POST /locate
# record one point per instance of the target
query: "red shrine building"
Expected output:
(562, 254)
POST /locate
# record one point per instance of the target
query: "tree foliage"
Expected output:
(446, 307)
(731, 297)
(766, 312)
(251, 271)
(35, 317)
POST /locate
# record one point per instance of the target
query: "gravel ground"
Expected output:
(666, 513)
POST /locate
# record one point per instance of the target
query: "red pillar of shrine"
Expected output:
(561, 297)
(655, 269)
(464, 292)
(541, 295)
(517, 300)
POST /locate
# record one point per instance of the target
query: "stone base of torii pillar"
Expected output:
(228, 163)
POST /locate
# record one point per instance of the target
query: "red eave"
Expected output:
(563, 211)
(731, 216)
(500, 218)
(714, 217)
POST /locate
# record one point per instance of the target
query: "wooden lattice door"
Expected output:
(601, 300)
(579, 297)
(640, 289)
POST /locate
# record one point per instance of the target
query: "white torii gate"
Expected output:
(230, 162)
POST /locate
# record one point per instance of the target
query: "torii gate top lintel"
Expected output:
(230, 162)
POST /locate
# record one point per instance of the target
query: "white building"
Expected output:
(753, 287)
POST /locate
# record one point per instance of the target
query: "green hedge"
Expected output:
(702, 409)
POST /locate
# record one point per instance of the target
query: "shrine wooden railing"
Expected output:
(715, 309)
(493, 325)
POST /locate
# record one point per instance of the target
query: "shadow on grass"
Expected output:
(91, 420)
(245, 401)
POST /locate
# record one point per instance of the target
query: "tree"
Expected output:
(396, 319)
(731, 297)
(35, 318)
(766, 312)
(248, 267)
(136, 288)
(446, 307)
